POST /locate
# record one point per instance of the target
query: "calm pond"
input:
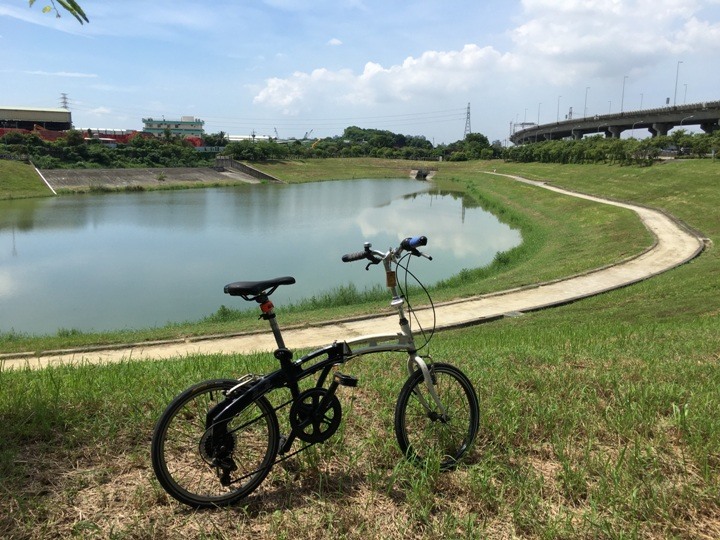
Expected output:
(133, 260)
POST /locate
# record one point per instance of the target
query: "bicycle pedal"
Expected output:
(346, 380)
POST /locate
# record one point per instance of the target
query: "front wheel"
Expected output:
(203, 469)
(427, 433)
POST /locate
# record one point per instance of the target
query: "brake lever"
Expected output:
(419, 253)
(371, 263)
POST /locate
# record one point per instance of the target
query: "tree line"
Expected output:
(598, 149)
(360, 142)
(75, 150)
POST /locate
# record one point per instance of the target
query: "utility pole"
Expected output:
(64, 101)
(677, 73)
(468, 131)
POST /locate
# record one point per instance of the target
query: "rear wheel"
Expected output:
(202, 467)
(427, 433)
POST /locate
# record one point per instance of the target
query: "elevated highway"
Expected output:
(656, 121)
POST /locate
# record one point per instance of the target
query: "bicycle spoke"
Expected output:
(423, 431)
(203, 469)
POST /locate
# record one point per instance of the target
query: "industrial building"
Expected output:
(31, 119)
(187, 126)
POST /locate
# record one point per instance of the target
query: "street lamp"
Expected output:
(677, 73)
(632, 132)
(622, 99)
(585, 109)
(558, 109)
(687, 118)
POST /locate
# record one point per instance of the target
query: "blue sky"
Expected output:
(408, 67)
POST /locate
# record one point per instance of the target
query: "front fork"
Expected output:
(414, 363)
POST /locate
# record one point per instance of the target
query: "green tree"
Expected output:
(74, 138)
(215, 139)
(72, 7)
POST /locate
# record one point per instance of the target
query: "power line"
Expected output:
(300, 124)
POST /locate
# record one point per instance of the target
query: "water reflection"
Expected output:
(142, 259)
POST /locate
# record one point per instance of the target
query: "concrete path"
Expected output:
(674, 246)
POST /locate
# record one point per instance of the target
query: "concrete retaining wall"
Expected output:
(76, 179)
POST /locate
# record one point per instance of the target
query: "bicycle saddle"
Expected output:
(254, 288)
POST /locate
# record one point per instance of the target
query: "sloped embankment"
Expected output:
(83, 179)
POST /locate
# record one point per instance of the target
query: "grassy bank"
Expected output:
(20, 181)
(552, 247)
(317, 170)
(598, 418)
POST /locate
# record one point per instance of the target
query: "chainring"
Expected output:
(312, 422)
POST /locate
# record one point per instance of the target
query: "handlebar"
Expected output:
(350, 257)
(409, 244)
(413, 242)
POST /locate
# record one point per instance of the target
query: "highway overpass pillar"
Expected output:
(615, 131)
(660, 129)
(710, 127)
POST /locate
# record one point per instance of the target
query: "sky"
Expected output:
(293, 68)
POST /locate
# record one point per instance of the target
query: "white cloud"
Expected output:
(291, 93)
(334, 42)
(701, 34)
(565, 40)
(122, 89)
(98, 111)
(8, 286)
(69, 74)
(559, 42)
(433, 73)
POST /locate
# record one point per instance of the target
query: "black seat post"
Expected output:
(268, 313)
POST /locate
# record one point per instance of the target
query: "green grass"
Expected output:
(20, 181)
(316, 170)
(599, 418)
(552, 247)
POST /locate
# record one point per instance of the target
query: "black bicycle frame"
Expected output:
(289, 374)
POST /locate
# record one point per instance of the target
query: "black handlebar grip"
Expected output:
(350, 257)
(413, 242)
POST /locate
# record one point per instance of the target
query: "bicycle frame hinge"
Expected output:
(397, 301)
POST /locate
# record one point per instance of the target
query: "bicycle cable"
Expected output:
(404, 292)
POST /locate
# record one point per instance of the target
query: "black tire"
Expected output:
(424, 435)
(180, 447)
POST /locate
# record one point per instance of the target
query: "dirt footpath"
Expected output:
(675, 245)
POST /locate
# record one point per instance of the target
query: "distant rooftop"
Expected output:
(36, 109)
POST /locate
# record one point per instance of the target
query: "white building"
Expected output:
(185, 127)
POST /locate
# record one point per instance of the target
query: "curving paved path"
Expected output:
(674, 246)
